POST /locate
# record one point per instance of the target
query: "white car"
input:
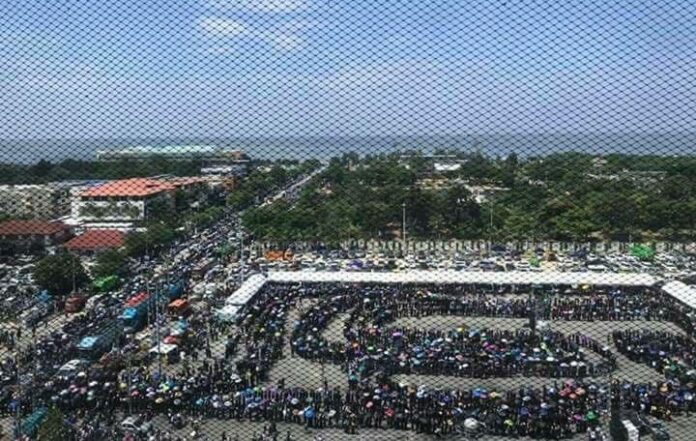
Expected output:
(73, 366)
(135, 424)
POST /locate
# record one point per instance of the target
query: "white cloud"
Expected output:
(271, 6)
(283, 41)
(402, 75)
(221, 50)
(222, 27)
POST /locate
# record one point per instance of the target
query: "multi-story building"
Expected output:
(27, 236)
(41, 201)
(122, 203)
(118, 204)
(32, 201)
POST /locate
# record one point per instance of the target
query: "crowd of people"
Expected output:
(235, 385)
(485, 353)
(672, 354)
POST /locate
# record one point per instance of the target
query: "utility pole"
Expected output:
(241, 253)
(72, 266)
(34, 366)
(490, 229)
(403, 225)
(157, 334)
(130, 399)
(18, 413)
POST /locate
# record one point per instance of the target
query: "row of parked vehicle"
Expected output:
(668, 265)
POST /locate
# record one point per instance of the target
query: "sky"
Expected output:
(72, 69)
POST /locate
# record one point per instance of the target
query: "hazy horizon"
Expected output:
(27, 151)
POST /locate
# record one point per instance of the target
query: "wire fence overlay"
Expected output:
(317, 220)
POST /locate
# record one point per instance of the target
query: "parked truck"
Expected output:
(94, 346)
(134, 316)
(175, 290)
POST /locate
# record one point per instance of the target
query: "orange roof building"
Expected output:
(119, 204)
(31, 235)
(129, 188)
(31, 227)
(96, 240)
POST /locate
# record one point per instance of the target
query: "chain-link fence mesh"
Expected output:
(327, 219)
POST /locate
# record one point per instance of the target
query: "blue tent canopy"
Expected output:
(87, 343)
(129, 313)
(44, 297)
(31, 424)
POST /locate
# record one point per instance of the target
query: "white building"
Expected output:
(120, 203)
(43, 201)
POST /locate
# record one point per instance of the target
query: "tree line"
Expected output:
(562, 196)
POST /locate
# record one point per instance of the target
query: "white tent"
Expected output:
(245, 292)
(682, 292)
(227, 313)
(458, 277)
(163, 348)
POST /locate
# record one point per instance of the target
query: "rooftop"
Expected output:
(96, 239)
(129, 188)
(26, 227)
(165, 149)
(171, 151)
(186, 180)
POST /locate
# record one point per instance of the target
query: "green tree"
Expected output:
(520, 224)
(159, 234)
(55, 273)
(53, 427)
(109, 262)
(135, 244)
(509, 170)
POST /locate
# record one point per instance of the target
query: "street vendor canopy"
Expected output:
(179, 303)
(129, 313)
(87, 343)
(163, 348)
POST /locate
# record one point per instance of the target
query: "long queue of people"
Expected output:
(218, 388)
(484, 353)
(672, 354)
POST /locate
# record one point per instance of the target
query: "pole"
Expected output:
(130, 400)
(72, 266)
(403, 224)
(34, 366)
(157, 335)
(18, 413)
(241, 253)
(490, 229)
